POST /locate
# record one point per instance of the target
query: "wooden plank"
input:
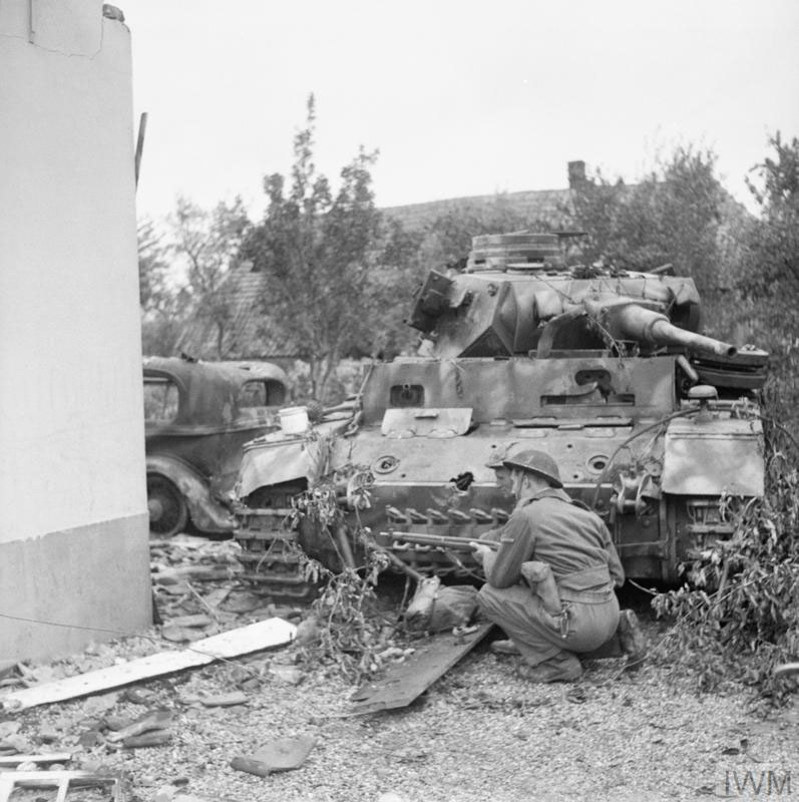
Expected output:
(10, 761)
(405, 681)
(253, 638)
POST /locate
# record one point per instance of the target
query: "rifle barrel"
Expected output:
(442, 541)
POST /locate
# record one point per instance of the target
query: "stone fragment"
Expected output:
(47, 734)
(166, 577)
(290, 674)
(225, 699)
(197, 620)
(242, 602)
(100, 704)
(117, 723)
(155, 720)
(90, 738)
(16, 744)
(175, 634)
(8, 728)
(283, 754)
(139, 696)
(151, 738)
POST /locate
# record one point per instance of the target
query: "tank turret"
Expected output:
(523, 301)
(607, 371)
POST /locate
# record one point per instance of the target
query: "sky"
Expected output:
(459, 98)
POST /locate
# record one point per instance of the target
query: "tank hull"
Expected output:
(652, 467)
(596, 366)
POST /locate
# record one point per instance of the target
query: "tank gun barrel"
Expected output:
(632, 321)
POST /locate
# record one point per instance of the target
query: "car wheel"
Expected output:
(167, 507)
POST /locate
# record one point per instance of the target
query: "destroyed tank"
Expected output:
(653, 425)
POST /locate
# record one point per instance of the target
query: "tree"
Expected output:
(673, 215)
(209, 242)
(163, 305)
(152, 266)
(751, 623)
(774, 242)
(768, 278)
(321, 254)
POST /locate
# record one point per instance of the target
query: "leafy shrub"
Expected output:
(351, 629)
(352, 633)
(737, 616)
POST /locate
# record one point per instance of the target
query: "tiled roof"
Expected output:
(251, 334)
(545, 204)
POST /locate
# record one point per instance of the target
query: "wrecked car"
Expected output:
(197, 417)
(654, 425)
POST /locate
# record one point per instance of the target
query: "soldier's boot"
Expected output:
(632, 639)
(563, 667)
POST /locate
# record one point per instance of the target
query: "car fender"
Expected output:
(207, 514)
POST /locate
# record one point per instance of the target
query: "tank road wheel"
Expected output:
(167, 507)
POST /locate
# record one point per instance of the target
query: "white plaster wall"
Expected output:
(71, 430)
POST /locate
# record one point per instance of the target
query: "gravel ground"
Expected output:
(479, 733)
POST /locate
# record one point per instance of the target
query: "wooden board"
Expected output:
(12, 761)
(253, 638)
(405, 681)
(61, 780)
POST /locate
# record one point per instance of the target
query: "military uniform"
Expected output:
(550, 528)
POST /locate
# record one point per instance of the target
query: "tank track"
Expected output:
(273, 564)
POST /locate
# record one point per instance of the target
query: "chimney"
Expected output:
(576, 174)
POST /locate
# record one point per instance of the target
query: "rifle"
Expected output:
(441, 541)
(538, 575)
(420, 609)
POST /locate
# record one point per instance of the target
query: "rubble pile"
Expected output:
(197, 590)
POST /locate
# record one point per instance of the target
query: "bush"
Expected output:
(737, 616)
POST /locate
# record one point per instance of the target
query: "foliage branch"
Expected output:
(737, 615)
(354, 633)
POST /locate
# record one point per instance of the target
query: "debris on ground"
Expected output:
(469, 736)
(63, 781)
(283, 754)
(13, 761)
(225, 699)
(403, 682)
(151, 729)
(289, 674)
(255, 637)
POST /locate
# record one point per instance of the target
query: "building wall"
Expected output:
(73, 526)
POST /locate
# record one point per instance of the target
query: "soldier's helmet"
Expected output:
(537, 462)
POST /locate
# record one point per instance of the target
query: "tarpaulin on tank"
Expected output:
(711, 457)
(274, 459)
(270, 465)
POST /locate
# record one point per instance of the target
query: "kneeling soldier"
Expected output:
(565, 553)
